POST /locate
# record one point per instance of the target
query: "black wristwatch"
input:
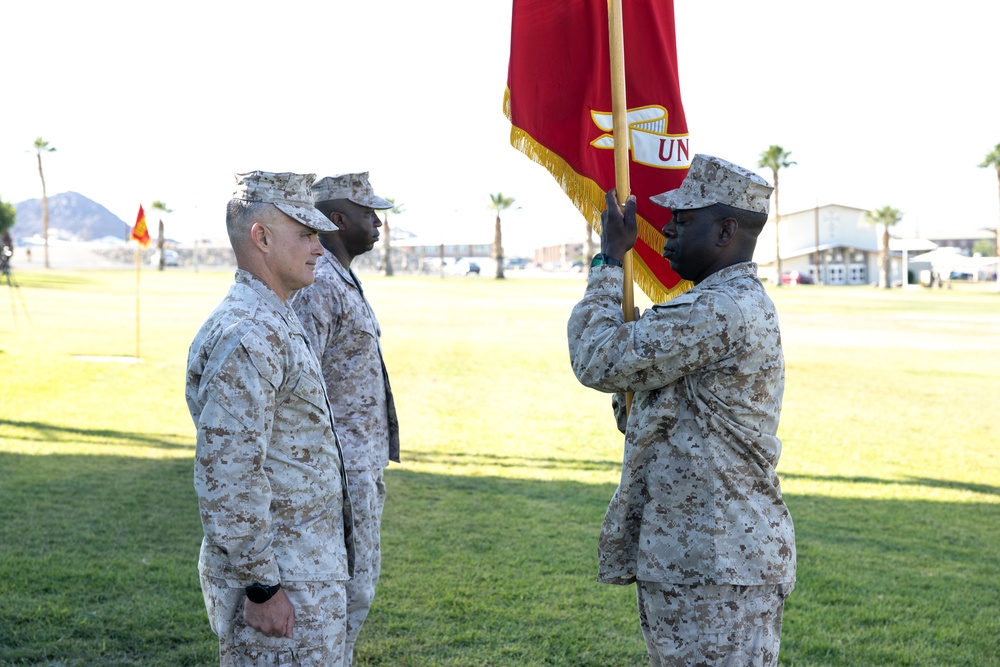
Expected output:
(261, 593)
(603, 259)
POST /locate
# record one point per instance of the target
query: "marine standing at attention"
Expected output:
(343, 331)
(268, 470)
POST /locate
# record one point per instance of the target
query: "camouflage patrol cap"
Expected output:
(353, 187)
(711, 180)
(289, 192)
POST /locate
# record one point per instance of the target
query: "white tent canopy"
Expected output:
(944, 261)
(952, 258)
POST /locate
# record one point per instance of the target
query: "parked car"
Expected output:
(462, 267)
(960, 275)
(170, 258)
(796, 278)
(516, 263)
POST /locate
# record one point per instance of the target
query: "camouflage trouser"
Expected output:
(318, 640)
(367, 500)
(711, 626)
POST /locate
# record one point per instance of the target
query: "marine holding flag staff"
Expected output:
(268, 467)
(697, 521)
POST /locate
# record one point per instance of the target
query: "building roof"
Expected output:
(823, 206)
(950, 258)
(912, 245)
(823, 247)
(977, 235)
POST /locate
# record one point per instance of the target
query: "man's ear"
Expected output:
(337, 218)
(727, 231)
(260, 236)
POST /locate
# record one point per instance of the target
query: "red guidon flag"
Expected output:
(140, 232)
(558, 100)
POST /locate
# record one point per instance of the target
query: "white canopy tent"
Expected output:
(946, 260)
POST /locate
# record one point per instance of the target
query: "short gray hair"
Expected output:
(240, 216)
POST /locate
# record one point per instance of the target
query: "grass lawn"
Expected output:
(891, 469)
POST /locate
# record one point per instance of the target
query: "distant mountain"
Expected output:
(74, 214)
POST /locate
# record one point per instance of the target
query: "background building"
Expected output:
(832, 245)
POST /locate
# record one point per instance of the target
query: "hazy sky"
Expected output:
(881, 102)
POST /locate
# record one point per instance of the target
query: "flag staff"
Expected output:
(138, 270)
(141, 234)
(619, 119)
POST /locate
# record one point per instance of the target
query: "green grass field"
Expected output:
(891, 469)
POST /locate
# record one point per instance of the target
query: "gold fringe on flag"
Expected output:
(588, 197)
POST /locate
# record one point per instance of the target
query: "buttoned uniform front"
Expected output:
(345, 334)
(699, 501)
(343, 330)
(269, 472)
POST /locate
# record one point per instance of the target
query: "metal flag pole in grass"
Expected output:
(140, 232)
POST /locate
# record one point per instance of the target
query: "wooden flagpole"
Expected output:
(619, 118)
(138, 268)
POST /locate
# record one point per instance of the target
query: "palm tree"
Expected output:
(500, 203)
(162, 208)
(776, 158)
(993, 160)
(387, 243)
(42, 146)
(886, 216)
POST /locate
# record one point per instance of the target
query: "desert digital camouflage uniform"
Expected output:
(269, 477)
(343, 330)
(699, 502)
(711, 626)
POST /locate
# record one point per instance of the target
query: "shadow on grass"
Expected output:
(45, 280)
(98, 553)
(97, 561)
(986, 489)
(476, 460)
(43, 432)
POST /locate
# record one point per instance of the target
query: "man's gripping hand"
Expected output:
(618, 227)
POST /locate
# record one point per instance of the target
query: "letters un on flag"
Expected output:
(558, 100)
(140, 232)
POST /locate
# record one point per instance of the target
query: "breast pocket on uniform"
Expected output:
(361, 322)
(309, 390)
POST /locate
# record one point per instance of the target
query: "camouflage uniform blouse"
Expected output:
(268, 468)
(699, 500)
(342, 329)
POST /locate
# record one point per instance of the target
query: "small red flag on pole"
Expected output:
(141, 234)
(560, 104)
(139, 231)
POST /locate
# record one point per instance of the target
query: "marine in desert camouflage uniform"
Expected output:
(698, 521)
(269, 472)
(341, 325)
